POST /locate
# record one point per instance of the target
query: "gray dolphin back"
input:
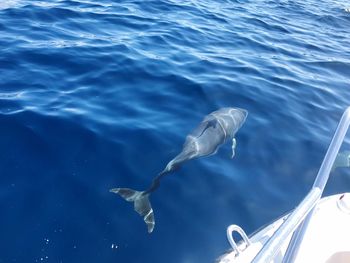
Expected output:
(216, 129)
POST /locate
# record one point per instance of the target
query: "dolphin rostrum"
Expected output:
(216, 129)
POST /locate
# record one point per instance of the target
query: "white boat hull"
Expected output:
(327, 238)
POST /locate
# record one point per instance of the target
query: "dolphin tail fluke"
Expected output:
(141, 202)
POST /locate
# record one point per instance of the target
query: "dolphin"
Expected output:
(216, 129)
(342, 160)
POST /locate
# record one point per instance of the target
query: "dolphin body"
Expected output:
(216, 129)
(342, 160)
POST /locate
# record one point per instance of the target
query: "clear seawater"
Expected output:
(101, 94)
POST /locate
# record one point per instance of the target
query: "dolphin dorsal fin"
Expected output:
(209, 123)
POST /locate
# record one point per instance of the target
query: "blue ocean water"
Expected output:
(101, 94)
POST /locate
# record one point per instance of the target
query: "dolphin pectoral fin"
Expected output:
(141, 202)
(234, 143)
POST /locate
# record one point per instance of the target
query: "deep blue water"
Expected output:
(101, 94)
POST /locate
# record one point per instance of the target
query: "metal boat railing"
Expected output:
(298, 220)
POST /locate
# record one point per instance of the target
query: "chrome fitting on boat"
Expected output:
(240, 231)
